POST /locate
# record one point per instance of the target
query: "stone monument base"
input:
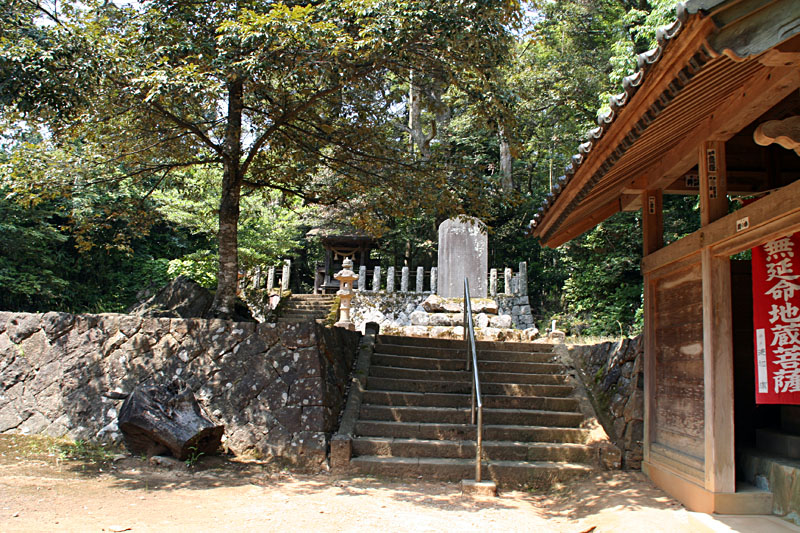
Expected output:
(457, 332)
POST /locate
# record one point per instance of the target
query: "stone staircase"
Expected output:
(414, 414)
(306, 307)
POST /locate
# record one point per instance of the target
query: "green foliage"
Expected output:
(201, 266)
(124, 152)
(270, 225)
(29, 279)
(294, 97)
(79, 247)
(604, 288)
(194, 456)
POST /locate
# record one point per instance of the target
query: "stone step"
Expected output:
(465, 449)
(430, 363)
(310, 307)
(465, 387)
(537, 474)
(440, 431)
(314, 297)
(459, 353)
(460, 415)
(452, 375)
(463, 400)
(450, 343)
(303, 312)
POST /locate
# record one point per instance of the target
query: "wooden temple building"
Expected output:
(339, 243)
(713, 111)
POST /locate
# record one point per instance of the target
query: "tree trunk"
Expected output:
(507, 180)
(157, 419)
(228, 273)
(418, 137)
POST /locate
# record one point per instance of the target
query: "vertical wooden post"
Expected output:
(718, 373)
(649, 363)
(713, 182)
(652, 221)
(652, 240)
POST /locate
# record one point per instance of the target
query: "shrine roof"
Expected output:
(688, 86)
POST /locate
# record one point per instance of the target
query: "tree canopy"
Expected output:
(175, 136)
(293, 96)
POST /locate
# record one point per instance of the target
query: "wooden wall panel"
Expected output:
(679, 393)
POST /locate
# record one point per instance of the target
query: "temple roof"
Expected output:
(691, 82)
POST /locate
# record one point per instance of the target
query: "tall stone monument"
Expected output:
(463, 252)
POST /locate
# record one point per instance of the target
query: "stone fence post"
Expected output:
(390, 279)
(404, 279)
(287, 266)
(420, 279)
(376, 279)
(362, 278)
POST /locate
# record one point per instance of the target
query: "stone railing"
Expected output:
(390, 305)
(262, 289)
(269, 277)
(413, 280)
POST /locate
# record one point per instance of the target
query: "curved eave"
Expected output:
(701, 63)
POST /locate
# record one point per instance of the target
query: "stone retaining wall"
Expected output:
(613, 374)
(277, 388)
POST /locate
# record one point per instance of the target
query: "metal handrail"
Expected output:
(472, 361)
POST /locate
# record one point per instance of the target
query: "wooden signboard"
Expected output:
(776, 317)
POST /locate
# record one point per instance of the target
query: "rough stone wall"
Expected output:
(277, 388)
(393, 310)
(388, 310)
(613, 373)
(518, 307)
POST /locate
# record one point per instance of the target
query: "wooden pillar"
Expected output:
(718, 373)
(713, 182)
(652, 221)
(717, 329)
(652, 240)
(649, 364)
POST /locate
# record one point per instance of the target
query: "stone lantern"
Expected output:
(346, 277)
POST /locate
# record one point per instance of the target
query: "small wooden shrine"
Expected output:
(712, 111)
(340, 244)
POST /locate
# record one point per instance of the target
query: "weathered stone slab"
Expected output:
(437, 304)
(463, 252)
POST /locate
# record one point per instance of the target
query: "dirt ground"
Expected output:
(56, 487)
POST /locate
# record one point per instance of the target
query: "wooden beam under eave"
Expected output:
(565, 234)
(740, 183)
(713, 182)
(770, 217)
(769, 85)
(786, 54)
(652, 222)
(630, 202)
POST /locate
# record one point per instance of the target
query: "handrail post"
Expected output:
(472, 361)
(479, 445)
(466, 325)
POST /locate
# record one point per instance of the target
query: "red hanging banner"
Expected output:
(776, 320)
